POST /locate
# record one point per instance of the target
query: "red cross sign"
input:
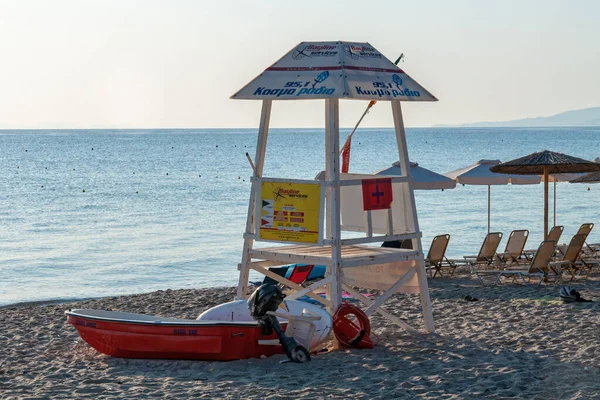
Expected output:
(377, 194)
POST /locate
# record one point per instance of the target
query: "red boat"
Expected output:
(225, 332)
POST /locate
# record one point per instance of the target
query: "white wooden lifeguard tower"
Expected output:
(309, 216)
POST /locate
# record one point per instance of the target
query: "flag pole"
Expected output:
(371, 104)
(345, 150)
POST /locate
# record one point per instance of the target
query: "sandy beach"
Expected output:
(514, 342)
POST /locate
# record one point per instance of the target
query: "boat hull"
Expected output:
(199, 340)
(129, 335)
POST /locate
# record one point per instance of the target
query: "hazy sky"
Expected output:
(174, 63)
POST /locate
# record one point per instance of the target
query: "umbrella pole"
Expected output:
(545, 202)
(554, 203)
(489, 203)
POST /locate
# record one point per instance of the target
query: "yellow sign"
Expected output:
(289, 212)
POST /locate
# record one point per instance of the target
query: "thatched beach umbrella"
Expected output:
(546, 163)
(560, 178)
(571, 178)
(592, 177)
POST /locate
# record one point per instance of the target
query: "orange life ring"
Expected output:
(351, 333)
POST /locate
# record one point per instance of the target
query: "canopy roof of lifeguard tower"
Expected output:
(345, 70)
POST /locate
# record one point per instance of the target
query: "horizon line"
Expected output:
(305, 128)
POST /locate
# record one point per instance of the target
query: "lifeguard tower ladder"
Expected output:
(294, 212)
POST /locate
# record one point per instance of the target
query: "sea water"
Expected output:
(91, 213)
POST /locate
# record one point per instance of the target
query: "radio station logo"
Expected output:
(321, 78)
(386, 92)
(298, 88)
(386, 89)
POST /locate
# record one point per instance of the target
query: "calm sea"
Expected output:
(106, 212)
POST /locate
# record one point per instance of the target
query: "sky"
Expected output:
(175, 63)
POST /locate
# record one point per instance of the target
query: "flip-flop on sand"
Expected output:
(569, 295)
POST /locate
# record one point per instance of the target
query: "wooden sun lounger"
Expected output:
(538, 266)
(513, 252)
(436, 261)
(487, 254)
(572, 262)
(585, 230)
(554, 234)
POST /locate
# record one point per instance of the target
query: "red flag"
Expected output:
(346, 147)
(346, 155)
(377, 194)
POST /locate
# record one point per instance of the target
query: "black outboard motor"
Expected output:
(266, 298)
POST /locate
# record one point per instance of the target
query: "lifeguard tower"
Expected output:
(305, 218)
